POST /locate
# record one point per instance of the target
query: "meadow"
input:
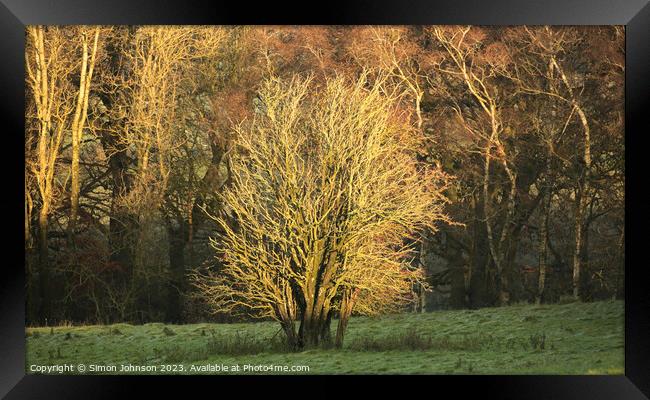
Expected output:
(573, 338)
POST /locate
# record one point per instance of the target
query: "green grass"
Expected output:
(576, 338)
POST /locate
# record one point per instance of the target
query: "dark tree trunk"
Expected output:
(578, 240)
(340, 330)
(311, 330)
(586, 282)
(325, 332)
(123, 225)
(479, 293)
(314, 306)
(511, 279)
(457, 273)
(289, 328)
(347, 303)
(31, 313)
(45, 284)
(177, 240)
(542, 249)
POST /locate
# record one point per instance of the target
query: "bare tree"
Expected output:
(161, 66)
(80, 115)
(51, 63)
(459, 44)
(391, 51)
(325, 189)
(549, 44)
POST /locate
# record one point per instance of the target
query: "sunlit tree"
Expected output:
(326, 187)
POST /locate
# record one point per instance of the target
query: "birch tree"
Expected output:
(80, 114)
(57, 107)
(459, 46)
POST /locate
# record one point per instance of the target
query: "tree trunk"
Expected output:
(79, 119)
(619, 292)
(347, 304)
(340, 330)
(509, 240)
(511, 288)
(418, 110)
(423, 299)
(577, 247)
(77, 127)
(45, 283)
(318, 291)
(585, 282)
(478, 293)
(289, 328)
(177, 241)
(325, 332)
(456, 267)
(422, 294)
(311, 328)
(543, 243)
(123, 226)
(582, 190)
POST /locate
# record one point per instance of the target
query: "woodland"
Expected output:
(308, 174)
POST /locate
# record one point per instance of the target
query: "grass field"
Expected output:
(575, 338)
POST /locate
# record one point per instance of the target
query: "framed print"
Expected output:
(444, 191)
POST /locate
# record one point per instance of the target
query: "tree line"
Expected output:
(305, 173)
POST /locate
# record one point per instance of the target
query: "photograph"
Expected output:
(324, 199)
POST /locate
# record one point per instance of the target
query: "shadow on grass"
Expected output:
(410, 340)
(225, 345)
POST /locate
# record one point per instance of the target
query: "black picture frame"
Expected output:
(634, 14)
